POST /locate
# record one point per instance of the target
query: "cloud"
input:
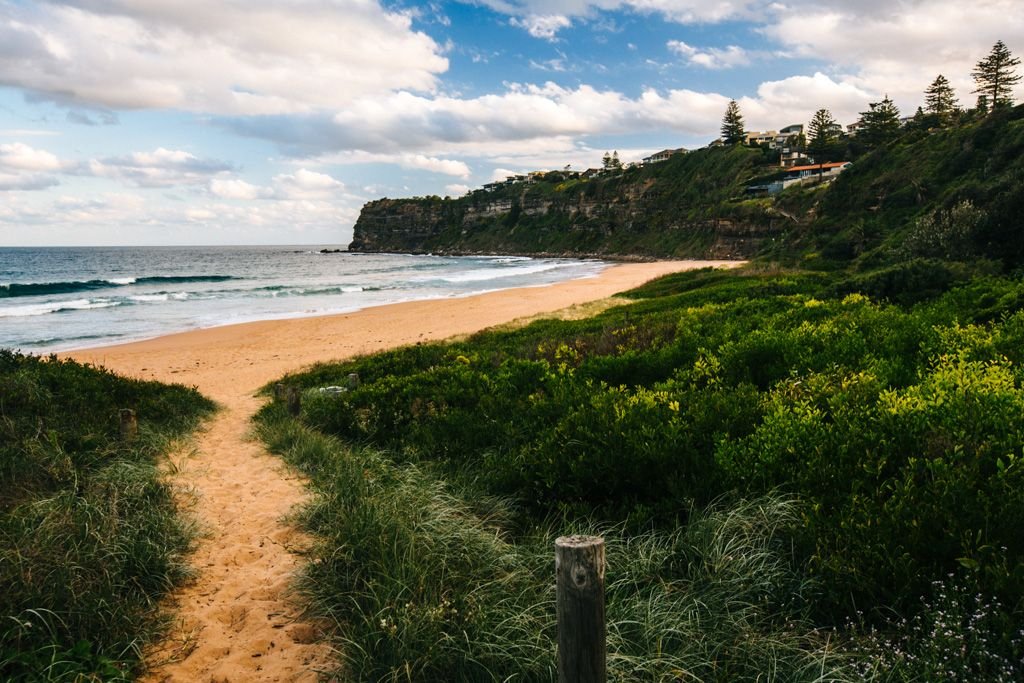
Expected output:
(159, 168)
(243, 58)
(101, 219)
(795, 99)
(898, 48)
(404, 122)
(711, 58)
(544, 26)
(305, 184)
(457, 190)
(24, 168)
(435, 165)
(26, 181)
(234, 188)
(302, 184)
(20, 156)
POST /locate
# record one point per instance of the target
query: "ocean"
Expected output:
(56, 299)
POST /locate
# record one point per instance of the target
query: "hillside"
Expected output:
(946, 193)
(690, 205)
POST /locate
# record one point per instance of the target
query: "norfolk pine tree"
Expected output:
(880, 124)
(995, 76)
(940, 100)
(823, 136)
(733, 132)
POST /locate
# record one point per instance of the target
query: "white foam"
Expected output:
(54, 307)
(483, 275)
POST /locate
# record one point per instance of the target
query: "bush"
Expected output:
(89, 535)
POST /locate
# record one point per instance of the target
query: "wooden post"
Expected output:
(279, 392)
(353, 380)
(579, 580)
(129, 425)
(294, 401)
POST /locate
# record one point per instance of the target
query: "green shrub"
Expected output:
(89, 534)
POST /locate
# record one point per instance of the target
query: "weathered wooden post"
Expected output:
(280, 392)
(294, 398)
(579, 580)
(129, 425)
(353, 380)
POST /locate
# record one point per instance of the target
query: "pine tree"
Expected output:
(995, 76)
(880, 124)
(610, 162)
(824, 133)
(940, 100)
(733, 132)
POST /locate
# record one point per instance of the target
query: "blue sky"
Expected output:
(272, 122)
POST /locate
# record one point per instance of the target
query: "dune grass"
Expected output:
(90, 537)
(885, 406)
(425, 581)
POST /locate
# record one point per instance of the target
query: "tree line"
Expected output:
(994, 78)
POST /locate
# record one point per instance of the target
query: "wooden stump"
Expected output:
(294, 398)
(129, 425)
(579, 580)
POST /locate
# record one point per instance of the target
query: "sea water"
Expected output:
(54, 299)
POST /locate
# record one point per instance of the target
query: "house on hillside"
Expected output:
(663, 155)
(789, 157)
(810, 174)
(828, 170)
(763, 138)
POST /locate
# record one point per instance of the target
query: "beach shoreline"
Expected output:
(225, 359)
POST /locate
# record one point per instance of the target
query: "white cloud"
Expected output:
(26, 181)
(795, 99)
(899, 48)
(713, 57)
(256, 57)
(234, 188)
(306, 184)
(159, 168)
(19, 156)
(444, 166)
(544, 26)
(457, 190)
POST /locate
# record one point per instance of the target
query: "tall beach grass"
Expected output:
(427, 582)
(90, 537)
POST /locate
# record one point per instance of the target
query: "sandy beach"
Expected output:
(237, 621)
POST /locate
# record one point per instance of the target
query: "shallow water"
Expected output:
(54, 299)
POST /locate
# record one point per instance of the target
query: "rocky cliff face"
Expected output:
(645, 213)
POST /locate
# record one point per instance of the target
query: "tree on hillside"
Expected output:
(880, 124)
(733, 132)
(823, 137)
(610, 162)
(995, 76)
(940, 100)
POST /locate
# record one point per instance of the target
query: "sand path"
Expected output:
(237, 621)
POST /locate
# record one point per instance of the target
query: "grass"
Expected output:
(90, 537)
(884, 406)
(425, 581)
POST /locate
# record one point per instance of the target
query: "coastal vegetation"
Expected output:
(90, 537)
(809, 468)
(857, 460)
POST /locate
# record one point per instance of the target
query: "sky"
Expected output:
(147, 122)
